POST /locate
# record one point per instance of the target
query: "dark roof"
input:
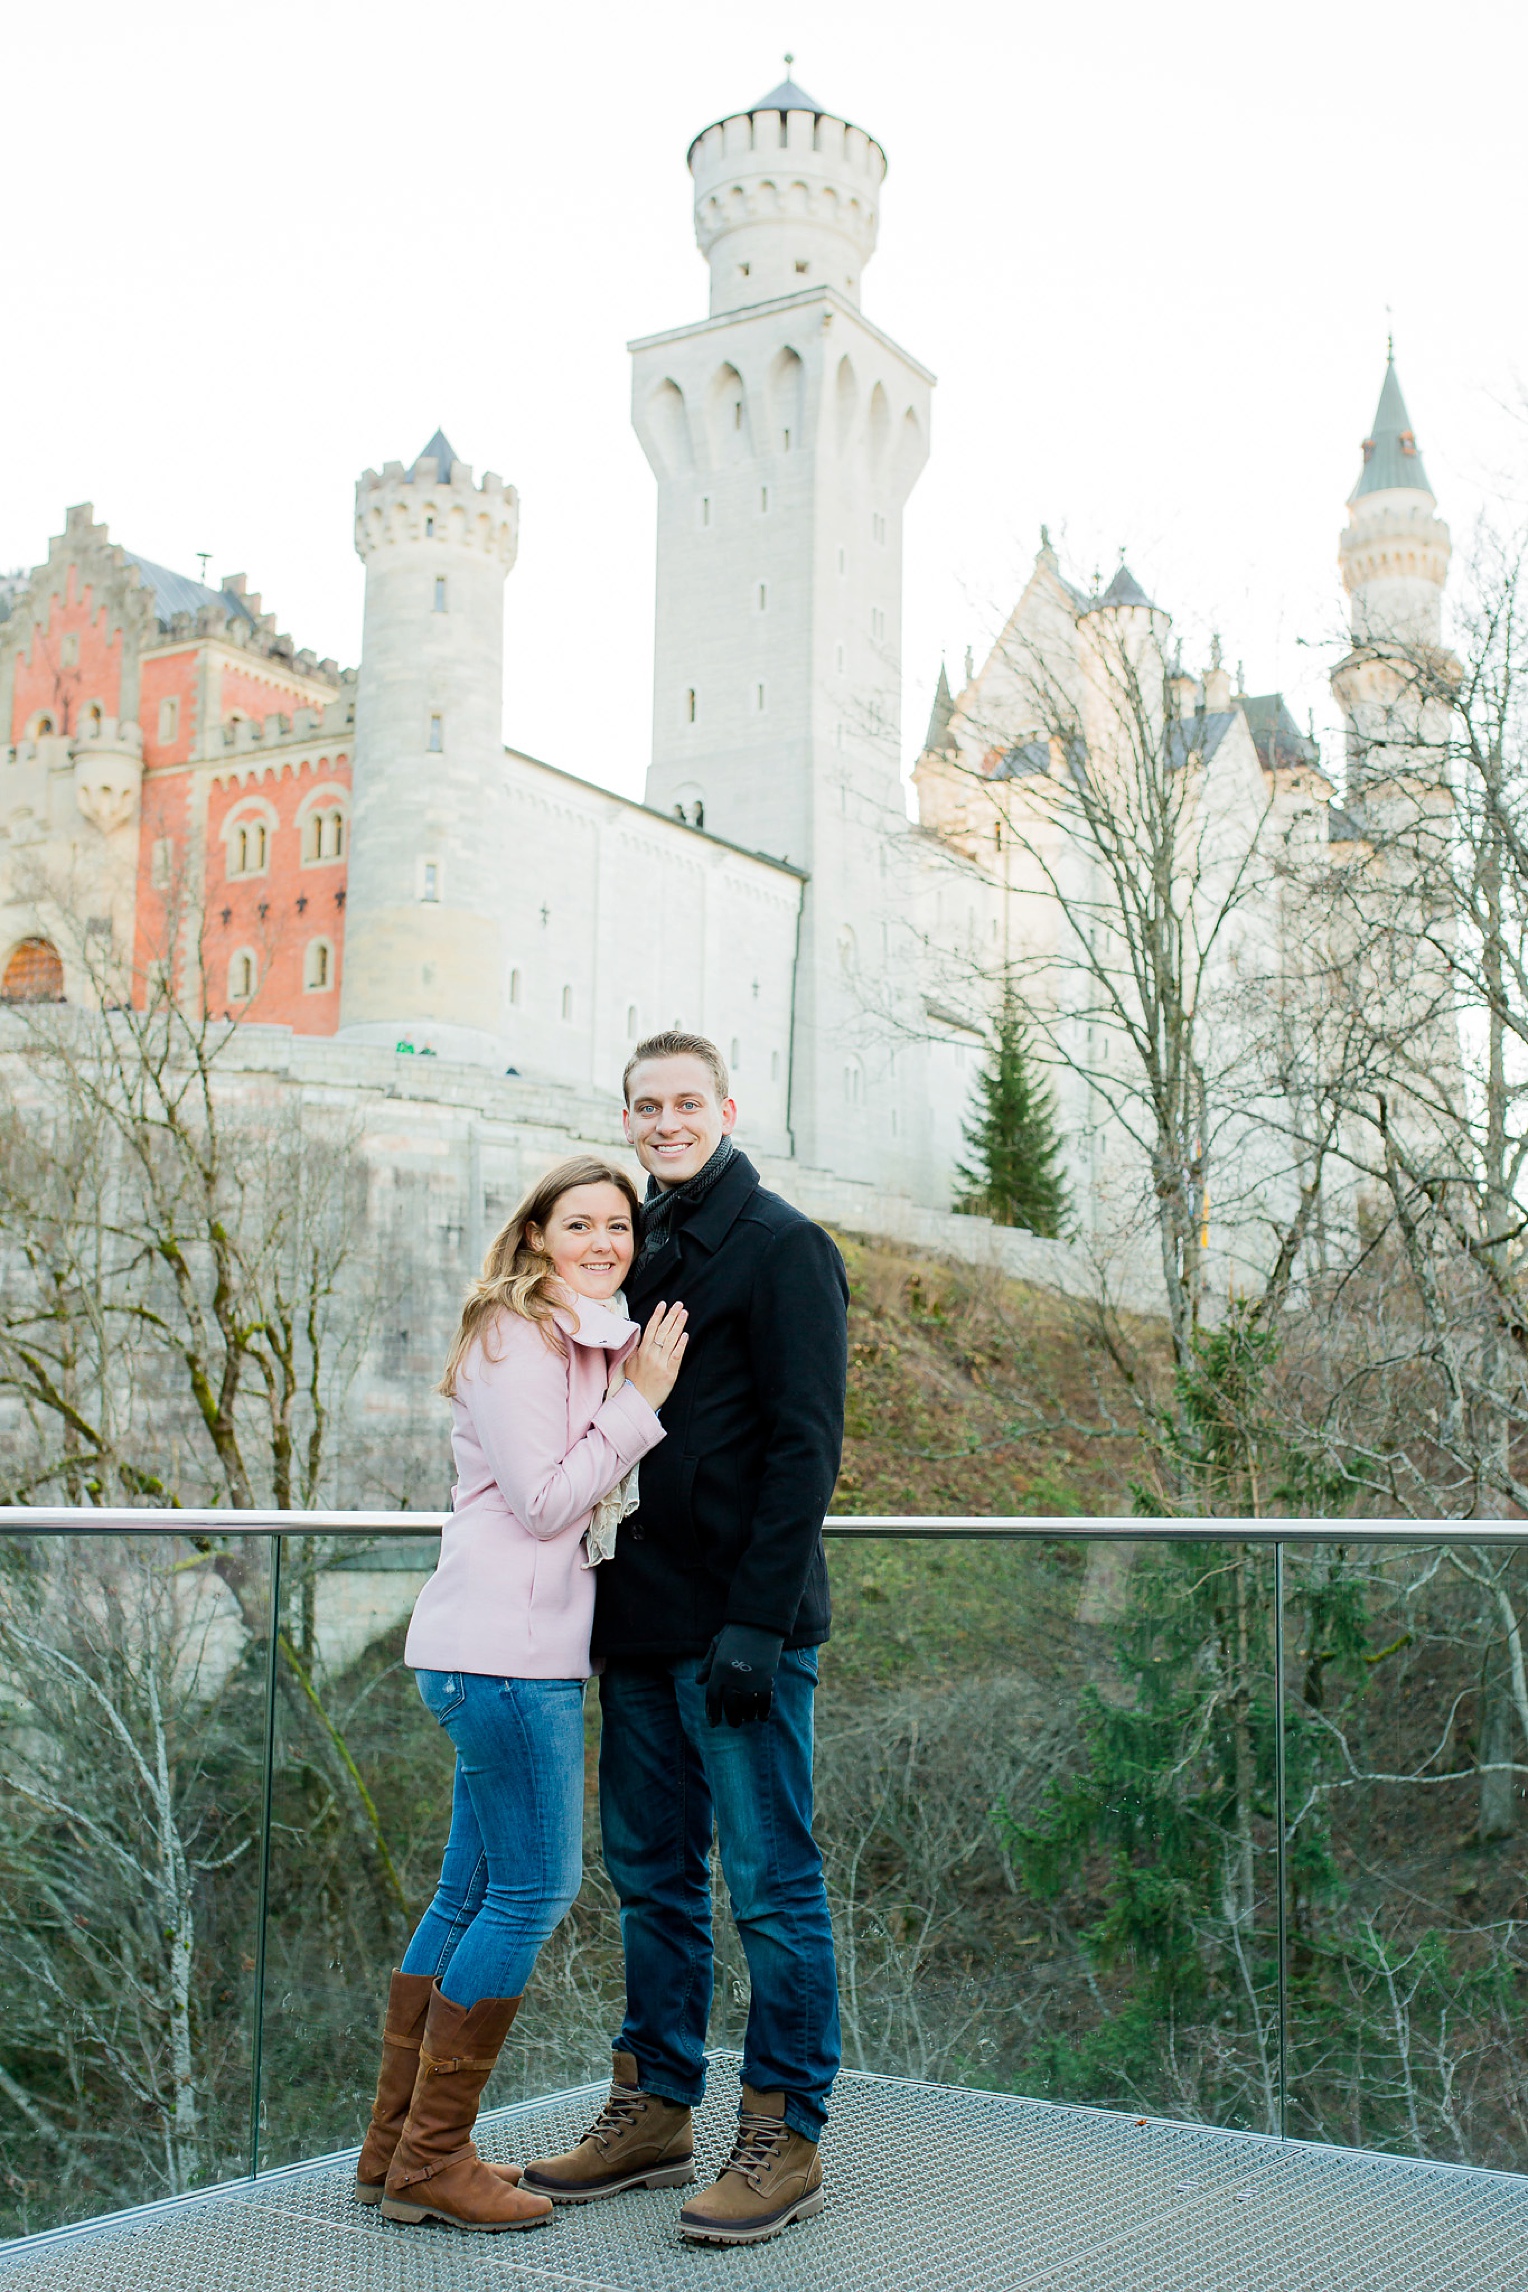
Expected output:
(1275, 735)
(787, 97)
(1390, 451)
(1199, 735)
(442, 453)
(1124, 589)
(940, 714)
(178, 593)
(1023, 760)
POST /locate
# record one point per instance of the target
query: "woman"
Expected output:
(553, 1394)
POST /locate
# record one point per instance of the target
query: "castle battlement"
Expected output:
(436, 501)
(786, 195)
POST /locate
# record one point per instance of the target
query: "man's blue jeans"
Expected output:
(665, 1775)
(514, 1859)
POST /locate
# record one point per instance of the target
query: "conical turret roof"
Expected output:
(1390, 451)
(939, 715)
(442, 453)
(1124, 589)
(787, 97)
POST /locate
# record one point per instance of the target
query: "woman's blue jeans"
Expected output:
(514, 1860)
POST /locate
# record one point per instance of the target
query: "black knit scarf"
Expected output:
(663, 1204)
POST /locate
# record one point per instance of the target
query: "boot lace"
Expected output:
(757, 2147)
(619, 2115)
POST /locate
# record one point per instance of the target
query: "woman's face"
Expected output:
(589, 1239)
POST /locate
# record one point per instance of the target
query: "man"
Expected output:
(709, 1617)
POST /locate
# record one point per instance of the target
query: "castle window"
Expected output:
(802, 267)
(631, 1022)
(877, 624)
(839, 658)
(243, 975)
(567, 1002)
(34, 974)
(318, 970)
(42, 726)
(689, 705)
(758, 698)
(440, 592)
(169, 719)
(514, 986)
(785, 441)
(248, 848)
(764, 500)
(705, 509)
(743, 270)
(437, 740)
(93, 721)
(736, 1059)
(429, 880)
(854, 1083)
(763, 597)
(429, 529)
(774, 1066)
(323, 836)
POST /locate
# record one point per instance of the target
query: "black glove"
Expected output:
(738, 1674)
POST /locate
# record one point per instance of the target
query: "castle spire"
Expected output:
(1391, 458)
(939, 716)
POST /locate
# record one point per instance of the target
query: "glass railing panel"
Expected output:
(1046, 1800)
(1408, 1954)
(362, 1808)
(131, 1697)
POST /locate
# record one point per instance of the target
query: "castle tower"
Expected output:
(1394, 557)
(430, 827)
(786, 433)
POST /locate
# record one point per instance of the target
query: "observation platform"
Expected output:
(931, 2189)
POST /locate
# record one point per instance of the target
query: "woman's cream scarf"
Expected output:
(622, 1500)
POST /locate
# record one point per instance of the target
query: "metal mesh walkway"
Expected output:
(931, 2189)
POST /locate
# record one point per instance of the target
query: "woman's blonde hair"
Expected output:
(517, 1277)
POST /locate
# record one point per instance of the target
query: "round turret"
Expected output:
(430, 828)
(787, 197)
(1394, 553)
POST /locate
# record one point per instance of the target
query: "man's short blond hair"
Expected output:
(674, 1044)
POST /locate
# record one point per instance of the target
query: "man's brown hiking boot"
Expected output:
(772, 2177)
(636, 2142)
(408, 2001)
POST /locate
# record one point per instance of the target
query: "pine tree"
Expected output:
(1012, 1176)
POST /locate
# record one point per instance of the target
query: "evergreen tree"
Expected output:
(1012, 1176)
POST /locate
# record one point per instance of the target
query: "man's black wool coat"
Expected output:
(729, 1529)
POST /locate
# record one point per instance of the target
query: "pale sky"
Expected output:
(1152, 255)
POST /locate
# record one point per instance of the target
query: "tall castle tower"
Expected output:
(786, 433)
(430, 826)
(1394, 557)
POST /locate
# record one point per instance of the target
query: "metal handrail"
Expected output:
(1091, 1527)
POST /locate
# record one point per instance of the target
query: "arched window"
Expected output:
(440, 592)
(567, 1002)
(248, 847)
(323, 835)
(854, 1082)
(318, 969)
(437, 741)
(736, 1059)
(34, 974)
(243, 975)
(514, 986)
(689, 705)
(631, 1022)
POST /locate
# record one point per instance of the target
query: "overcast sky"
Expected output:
(1152, 255)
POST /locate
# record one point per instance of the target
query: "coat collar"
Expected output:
(709, 1223)
(597, 1325)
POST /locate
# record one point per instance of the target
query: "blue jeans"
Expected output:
(514, 1860)
(665, 1775)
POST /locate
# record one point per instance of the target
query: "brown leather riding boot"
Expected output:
(408, 2001)
(436, 2173)
(771, 2178)
(636, 2142)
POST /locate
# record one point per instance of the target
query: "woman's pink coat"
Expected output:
(537, 1442)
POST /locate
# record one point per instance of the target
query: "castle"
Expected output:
(355, 860)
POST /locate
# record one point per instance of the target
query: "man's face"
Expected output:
(674, 1120)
